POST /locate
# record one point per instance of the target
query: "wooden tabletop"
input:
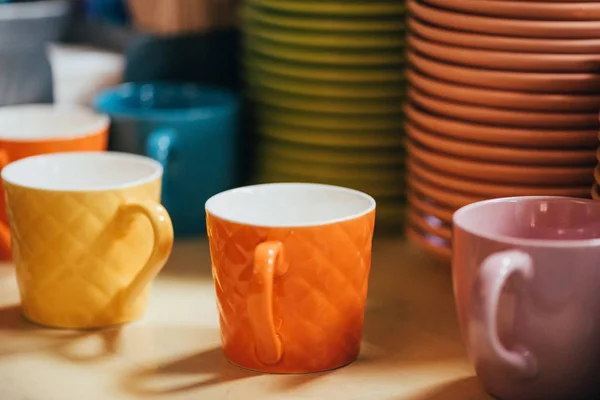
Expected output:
(411, 347)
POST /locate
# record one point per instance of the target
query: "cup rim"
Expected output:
(330, 221)
(156, 174)
(523, 242)
(92, 129)
(229, 105)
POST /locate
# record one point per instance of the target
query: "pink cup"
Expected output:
(526, 274)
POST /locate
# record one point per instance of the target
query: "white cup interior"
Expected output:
(82, 171)
(47, 121)
(289, 204)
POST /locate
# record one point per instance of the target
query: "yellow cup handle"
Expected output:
(163, 243)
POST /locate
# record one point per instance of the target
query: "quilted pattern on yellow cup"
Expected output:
(83, 257)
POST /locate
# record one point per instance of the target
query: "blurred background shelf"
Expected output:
(99, 33)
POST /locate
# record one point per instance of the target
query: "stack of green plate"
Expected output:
(327, 82)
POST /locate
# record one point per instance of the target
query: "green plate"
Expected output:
(321, 105)
(282, 69)
(388, 157)
(329, 171)
(306, 87)
(376, 8)
(327, 40)
(347, 123)
(364, 138)
(322, 23)
(326, 57)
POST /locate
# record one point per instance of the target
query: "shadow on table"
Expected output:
(199, 371)
(28, 337)
(190, 259)
(462, 389)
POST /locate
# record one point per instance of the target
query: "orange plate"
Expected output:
(427, 207)
(503, 26)
(503, 117)
(505, 60)
(500, 154)
(502, 173)
(536, 138)
(506, 43)
(454, 183)
(557, 10)
(430, 224)
(597, 173)
(430, 243)
(541, 82)
(503, 98)
(449, 199)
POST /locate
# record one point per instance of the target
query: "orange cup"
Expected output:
(291, 264)
(29, 130)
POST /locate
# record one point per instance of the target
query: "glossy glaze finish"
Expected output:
(191, 130)
(291, 298)
(526, 278)
(87, 240)
(46, 138)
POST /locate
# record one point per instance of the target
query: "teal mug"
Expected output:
(191, 130)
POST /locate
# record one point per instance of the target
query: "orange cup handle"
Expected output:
(5, 244)
(163, 243)
(269, 263)
(5, 237)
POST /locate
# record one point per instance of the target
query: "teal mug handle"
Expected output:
(159, 146)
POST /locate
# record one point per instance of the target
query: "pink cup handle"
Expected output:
(493, 275)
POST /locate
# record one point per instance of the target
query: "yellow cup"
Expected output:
(89, 235)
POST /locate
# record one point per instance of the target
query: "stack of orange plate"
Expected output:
(503, 101)
(596, 185)
(326, 79)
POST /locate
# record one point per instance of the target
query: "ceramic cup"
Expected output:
(291, 264)
(80, 72)
(526, 280)
(89, 235)
(191, 130)
(29, 130)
